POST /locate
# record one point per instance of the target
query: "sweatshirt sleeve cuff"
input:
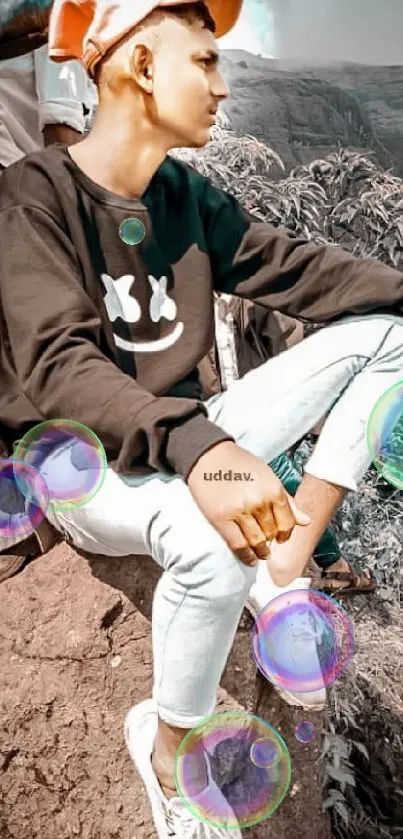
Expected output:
(189, 441)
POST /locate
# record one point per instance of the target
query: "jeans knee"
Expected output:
(217, 575)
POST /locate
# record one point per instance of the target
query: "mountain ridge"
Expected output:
(305, 111)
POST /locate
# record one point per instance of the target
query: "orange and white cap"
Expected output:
(87, 29)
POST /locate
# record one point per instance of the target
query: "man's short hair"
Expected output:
(190, 12)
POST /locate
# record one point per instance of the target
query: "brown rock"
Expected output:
(75, 654)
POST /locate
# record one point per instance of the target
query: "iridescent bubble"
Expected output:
(70, 458)
(264, 753)
(385, 435)
(302, 641)
(24, 500)
(132, 231)
(218, 781)
(305, 731)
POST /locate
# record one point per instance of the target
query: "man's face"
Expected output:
(187, 84)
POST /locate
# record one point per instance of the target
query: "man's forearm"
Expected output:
(58, 133)
(320, 500)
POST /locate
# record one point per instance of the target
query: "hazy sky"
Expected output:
(368, 31)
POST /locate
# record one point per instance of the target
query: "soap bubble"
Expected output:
(385, 435)
(264, 753)
(132, 231)
(70, 458)
(218, 781)
(24, 500)
(302, 641)
(305, 731)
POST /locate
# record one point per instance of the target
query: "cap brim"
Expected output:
(225, 14)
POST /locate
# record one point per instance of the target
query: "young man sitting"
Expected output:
(110, 335)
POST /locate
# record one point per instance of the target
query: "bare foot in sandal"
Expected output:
(342, 579)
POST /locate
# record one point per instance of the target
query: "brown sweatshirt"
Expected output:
(110, 335)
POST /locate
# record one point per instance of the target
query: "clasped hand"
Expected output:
(248, 514)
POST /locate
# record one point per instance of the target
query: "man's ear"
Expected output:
(141, 66)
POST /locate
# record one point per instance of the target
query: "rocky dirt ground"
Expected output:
(75, 654)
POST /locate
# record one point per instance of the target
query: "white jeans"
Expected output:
(340, 371)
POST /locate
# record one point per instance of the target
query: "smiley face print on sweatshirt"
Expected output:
(121, 304)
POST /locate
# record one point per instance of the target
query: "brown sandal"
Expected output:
(39, 542)
(356, 583)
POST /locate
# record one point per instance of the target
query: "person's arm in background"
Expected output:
(63, 90)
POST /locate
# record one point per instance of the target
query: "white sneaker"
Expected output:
(300, 640)
(171, 818)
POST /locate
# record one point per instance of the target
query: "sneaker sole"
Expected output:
(12, 565)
